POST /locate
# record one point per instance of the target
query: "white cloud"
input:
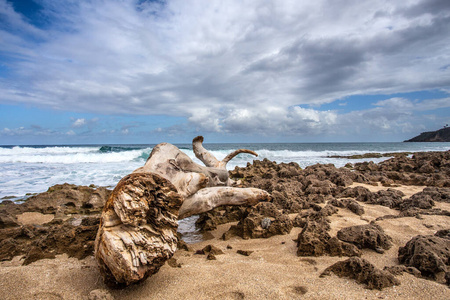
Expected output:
(78, 123)
(228, 65)
(271, 120)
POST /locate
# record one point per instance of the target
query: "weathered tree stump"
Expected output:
(138, 226)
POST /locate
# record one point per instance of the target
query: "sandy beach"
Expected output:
(272, 270)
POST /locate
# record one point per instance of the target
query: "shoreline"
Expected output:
(46, 167)
(273, 270)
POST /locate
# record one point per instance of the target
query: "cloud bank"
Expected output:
(262, 67)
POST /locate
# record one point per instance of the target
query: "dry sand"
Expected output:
(272, 271)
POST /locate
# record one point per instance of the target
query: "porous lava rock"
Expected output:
(430, 254)
(370, 236)
(37, 242)
(363, 272)
(255, 224)
(359, 192)
(437, 194)
(390, 198)
(336, 247)
(75, 211)
(313, 239)
(220, 215)
(68, 198)
(60, 200)
(422, 168)
(350, 204)
(399, 269)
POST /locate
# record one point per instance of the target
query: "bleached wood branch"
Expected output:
(137, 231)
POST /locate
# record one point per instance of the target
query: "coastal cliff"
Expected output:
(441, 135)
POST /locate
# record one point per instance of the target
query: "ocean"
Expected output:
(26, 170)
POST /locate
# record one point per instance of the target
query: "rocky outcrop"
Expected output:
(221, 215)
(390, 197)
(369, 236)
(422, 168)
(430, 254)
(74, 218)
(60, 200)
(57, 237)
(399, 269)
(363, 272)
(315, 240)
(263, 221)
(441, 135)
(350, 204)
(292, 188)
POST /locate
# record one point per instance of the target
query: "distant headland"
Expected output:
(441, 135)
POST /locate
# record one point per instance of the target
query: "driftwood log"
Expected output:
(138, 226)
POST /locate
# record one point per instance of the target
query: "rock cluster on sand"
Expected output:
(423, 168)
(370, 236)
(363, 272)
(430, 254)
(306, 191)
(65, 218)
(71, 229)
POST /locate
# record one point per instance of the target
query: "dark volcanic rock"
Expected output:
(244, 252)
(256, 224)
(370, 236)
(444, 233)
(61, 199)
(292, 188)
(212, 249)
(37, 242)
(220, 215)
(74, 236)
(355, 207)
(363, 272)
(336, 247)
(7, 220)
(68, 198)
(338, 176)
(313, 239)
(423, 168)
(430, 194)
(429, 254)
(419, 200)
(391, 198)
(350, 204)
(359, 192)
(398, 270)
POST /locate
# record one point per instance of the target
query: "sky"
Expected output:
(129, 71)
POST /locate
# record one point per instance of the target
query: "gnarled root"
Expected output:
(138, 228)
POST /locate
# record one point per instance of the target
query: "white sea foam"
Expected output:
(59, 155)
(46, 150)
(34, 169)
